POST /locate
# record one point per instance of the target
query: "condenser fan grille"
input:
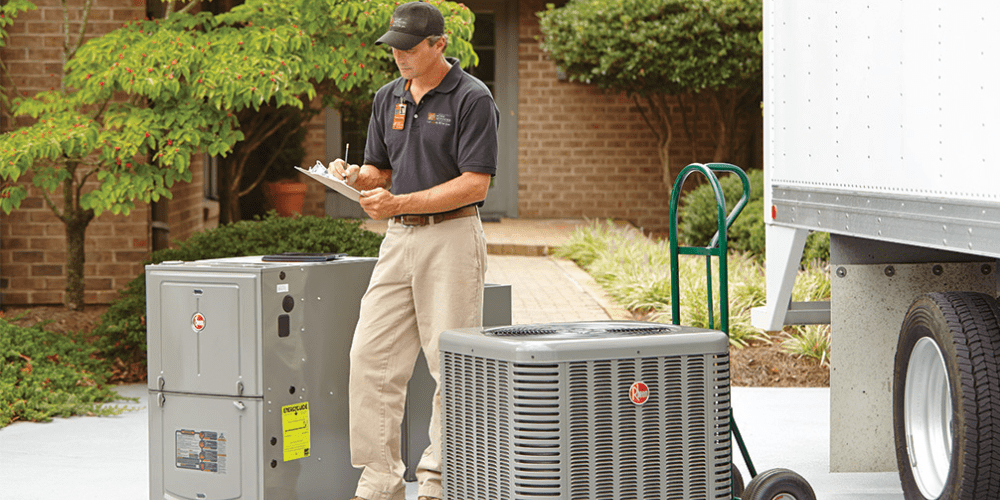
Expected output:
(594, 329)
(641, 330)
(514, 331)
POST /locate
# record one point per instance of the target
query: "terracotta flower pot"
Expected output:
(286, 197)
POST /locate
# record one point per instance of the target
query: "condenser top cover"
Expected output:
(558, 342)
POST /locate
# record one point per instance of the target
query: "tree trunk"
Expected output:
(664, 150)
(728, 103)
(76, 220)
(656, 113)
(229, 199)
(76, 230)
(725, 108)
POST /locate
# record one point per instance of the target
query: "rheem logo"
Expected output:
(638, 393)
(198, 322)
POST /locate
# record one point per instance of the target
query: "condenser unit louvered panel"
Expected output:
(537, 453)
(565, 426)
(483, 449)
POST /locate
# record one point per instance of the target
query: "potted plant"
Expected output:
(275, 146)
(287, 196)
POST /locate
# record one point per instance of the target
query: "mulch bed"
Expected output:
(766, 365)
(60, 319)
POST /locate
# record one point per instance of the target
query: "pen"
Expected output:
(347, 149)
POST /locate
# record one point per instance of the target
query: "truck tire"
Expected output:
(946, 397)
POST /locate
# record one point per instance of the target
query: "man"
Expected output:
(431, 152)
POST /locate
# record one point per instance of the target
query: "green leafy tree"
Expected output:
(652, 49)
(137, 103)
(8, 12)
(344, 35)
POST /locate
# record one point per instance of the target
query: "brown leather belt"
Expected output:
(425, 219)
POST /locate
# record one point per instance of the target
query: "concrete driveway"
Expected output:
(107, 458)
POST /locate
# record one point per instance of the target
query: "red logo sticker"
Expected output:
(638, 393)
(198, 322)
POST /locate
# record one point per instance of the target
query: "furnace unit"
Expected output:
(247, 364)
(600, 410)
(248, 375)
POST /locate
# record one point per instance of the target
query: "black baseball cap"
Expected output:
(411, 24)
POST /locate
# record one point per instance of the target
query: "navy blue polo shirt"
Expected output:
(453, 130)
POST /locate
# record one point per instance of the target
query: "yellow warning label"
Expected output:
(295, 430)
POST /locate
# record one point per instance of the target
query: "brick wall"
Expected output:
(315, 147)
(584, 153)
(189, 210)
(32, 240)
(33, 254)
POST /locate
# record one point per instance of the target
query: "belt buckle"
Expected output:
(413, 220)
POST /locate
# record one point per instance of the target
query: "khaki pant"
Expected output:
(427, 280)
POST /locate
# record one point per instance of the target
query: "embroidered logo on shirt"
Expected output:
(439, 119)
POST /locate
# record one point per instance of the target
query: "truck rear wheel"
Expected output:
(946, 397)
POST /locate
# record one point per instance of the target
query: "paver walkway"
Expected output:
(548, 290)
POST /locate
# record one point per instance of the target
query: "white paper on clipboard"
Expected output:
(335, 184)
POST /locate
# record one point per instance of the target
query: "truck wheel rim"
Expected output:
(927, 414)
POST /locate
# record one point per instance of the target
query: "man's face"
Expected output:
(419, 60)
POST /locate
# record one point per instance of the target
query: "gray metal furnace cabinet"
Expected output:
(248, 372)
(248, 377)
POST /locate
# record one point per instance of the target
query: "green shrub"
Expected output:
(275, 234)
(122, 328)
(45, 374)
(817, 248)
(699, 219)
(698, 214)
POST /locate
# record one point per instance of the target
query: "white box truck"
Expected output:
(882, 125)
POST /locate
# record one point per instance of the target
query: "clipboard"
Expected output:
(334, 184)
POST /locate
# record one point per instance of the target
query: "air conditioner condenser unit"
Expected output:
(590, 410)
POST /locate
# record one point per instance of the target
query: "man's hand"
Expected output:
(379, 204)
(339, 169)
(360, 177)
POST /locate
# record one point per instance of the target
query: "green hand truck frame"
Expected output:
(774, 483)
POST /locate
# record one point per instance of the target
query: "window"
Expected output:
(484, 43)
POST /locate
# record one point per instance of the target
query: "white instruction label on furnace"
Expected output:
(283, 288)
(200, 450)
